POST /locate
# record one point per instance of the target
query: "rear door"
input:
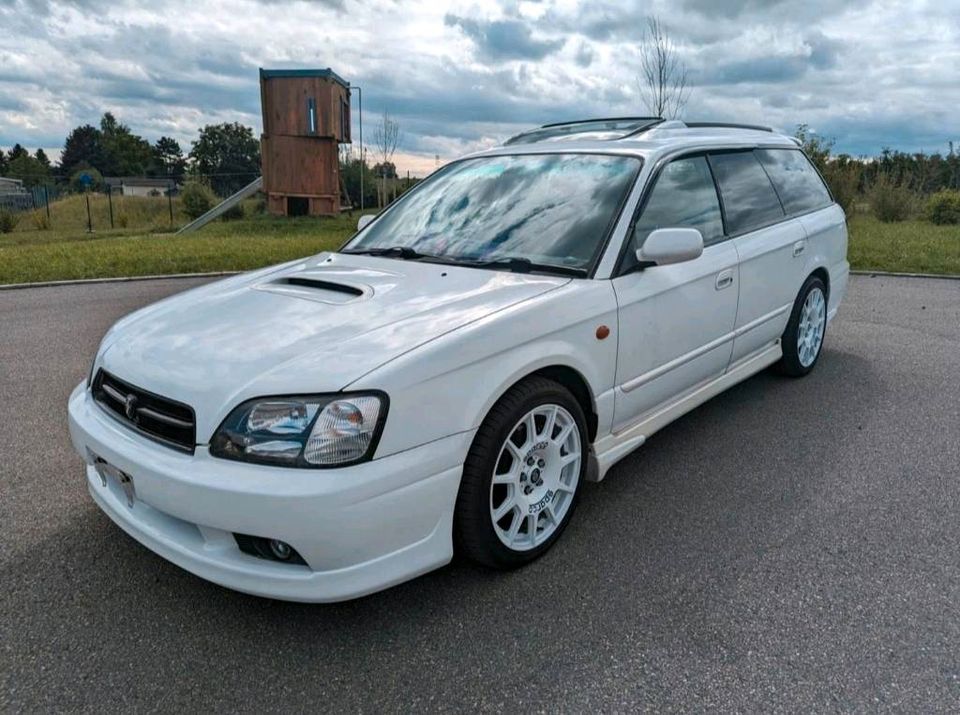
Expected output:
(770, 248)
(675, 321)
(804, 195)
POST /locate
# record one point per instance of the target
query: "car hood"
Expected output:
(311, 326)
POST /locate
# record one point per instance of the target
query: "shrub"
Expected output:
(889, 200)
(943, 207)
(94, 182)
(8, 220)
(197, 199)
(233, 213)
(844, 182)
(40, 220)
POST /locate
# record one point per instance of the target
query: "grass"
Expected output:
(907, 246)
(220, 246)
(68, 218)
(67, 251)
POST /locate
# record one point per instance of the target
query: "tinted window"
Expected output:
(684, 196)
(548, 208)
(797, 182)
(749, 200)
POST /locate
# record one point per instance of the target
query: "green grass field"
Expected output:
(67, 251)
(908, 246)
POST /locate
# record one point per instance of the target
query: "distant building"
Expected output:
(138, 186)
(10, 186)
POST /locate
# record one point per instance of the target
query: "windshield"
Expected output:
(550, 209)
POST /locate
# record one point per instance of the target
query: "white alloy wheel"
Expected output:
(535, 477)
(813, 321)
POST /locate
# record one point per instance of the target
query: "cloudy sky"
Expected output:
(461, 76)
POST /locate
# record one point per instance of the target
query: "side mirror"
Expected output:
(364, 221)
(670, 245)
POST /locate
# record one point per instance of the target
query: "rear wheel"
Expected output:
(522, 476)
(803, 338)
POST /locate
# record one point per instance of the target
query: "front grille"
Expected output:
(171, 423)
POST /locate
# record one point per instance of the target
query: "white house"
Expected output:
(138, 186)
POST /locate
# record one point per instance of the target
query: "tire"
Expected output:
(802, 340)
(537, 479)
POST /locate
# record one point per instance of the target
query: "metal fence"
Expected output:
(122, 204)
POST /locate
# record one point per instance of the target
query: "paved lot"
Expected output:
(792, 545)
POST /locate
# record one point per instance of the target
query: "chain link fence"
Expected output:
(119, 205)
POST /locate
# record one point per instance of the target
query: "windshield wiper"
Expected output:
(518, 264)
(404, 252)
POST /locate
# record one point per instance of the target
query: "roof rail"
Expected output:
(625, 126)
(600, 119)
(727, 125)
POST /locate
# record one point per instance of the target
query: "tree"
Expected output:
(350, 175)
(17, 152)
(125, 153)
(168, 160)
(387, 170)
(663, 81)
(42, 157)
(226, 155)
(83, 147)
(386, 137)
(28, 169)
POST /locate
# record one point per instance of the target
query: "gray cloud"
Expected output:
(843, 68)
(584, 56)
(758, 69)
(499, 40)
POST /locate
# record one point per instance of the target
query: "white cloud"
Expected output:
(464, 75)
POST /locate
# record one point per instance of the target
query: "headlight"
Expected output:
(310, 431)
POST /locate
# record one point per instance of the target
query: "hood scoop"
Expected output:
(320, 290)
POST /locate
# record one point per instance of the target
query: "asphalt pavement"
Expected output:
(792, 545)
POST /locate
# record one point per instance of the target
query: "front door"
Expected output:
(675, 322)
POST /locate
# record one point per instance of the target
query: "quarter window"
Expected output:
(683, 197)
(800, 187)
(749, 200)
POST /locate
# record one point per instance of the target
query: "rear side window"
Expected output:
(683, 197)
(749, 200)
(799, 185)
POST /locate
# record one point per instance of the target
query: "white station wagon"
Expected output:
(449, 379)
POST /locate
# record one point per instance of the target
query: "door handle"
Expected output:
(724, 279)
(799, 247)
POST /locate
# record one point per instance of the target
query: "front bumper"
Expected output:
(360, 529)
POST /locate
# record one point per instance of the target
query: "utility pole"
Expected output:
(362, 162)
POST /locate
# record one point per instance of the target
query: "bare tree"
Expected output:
(663, 80)
(386, 137)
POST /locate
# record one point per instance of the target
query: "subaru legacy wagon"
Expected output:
(449, 379)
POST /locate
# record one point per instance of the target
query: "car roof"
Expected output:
(648, 137)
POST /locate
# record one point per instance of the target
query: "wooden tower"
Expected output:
(306, 116)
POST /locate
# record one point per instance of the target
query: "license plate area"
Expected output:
(112, 476)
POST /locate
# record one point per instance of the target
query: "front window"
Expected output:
(546, 209)
(683, 197)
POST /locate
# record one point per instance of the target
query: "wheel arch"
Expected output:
(823, 274)
(565, 375)
(578, 387)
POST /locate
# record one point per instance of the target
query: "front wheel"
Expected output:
(803, 338)
(522, 475)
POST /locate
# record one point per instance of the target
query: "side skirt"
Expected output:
(614, 447)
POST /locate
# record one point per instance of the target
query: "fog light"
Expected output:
(269, 549)
(280, 549)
